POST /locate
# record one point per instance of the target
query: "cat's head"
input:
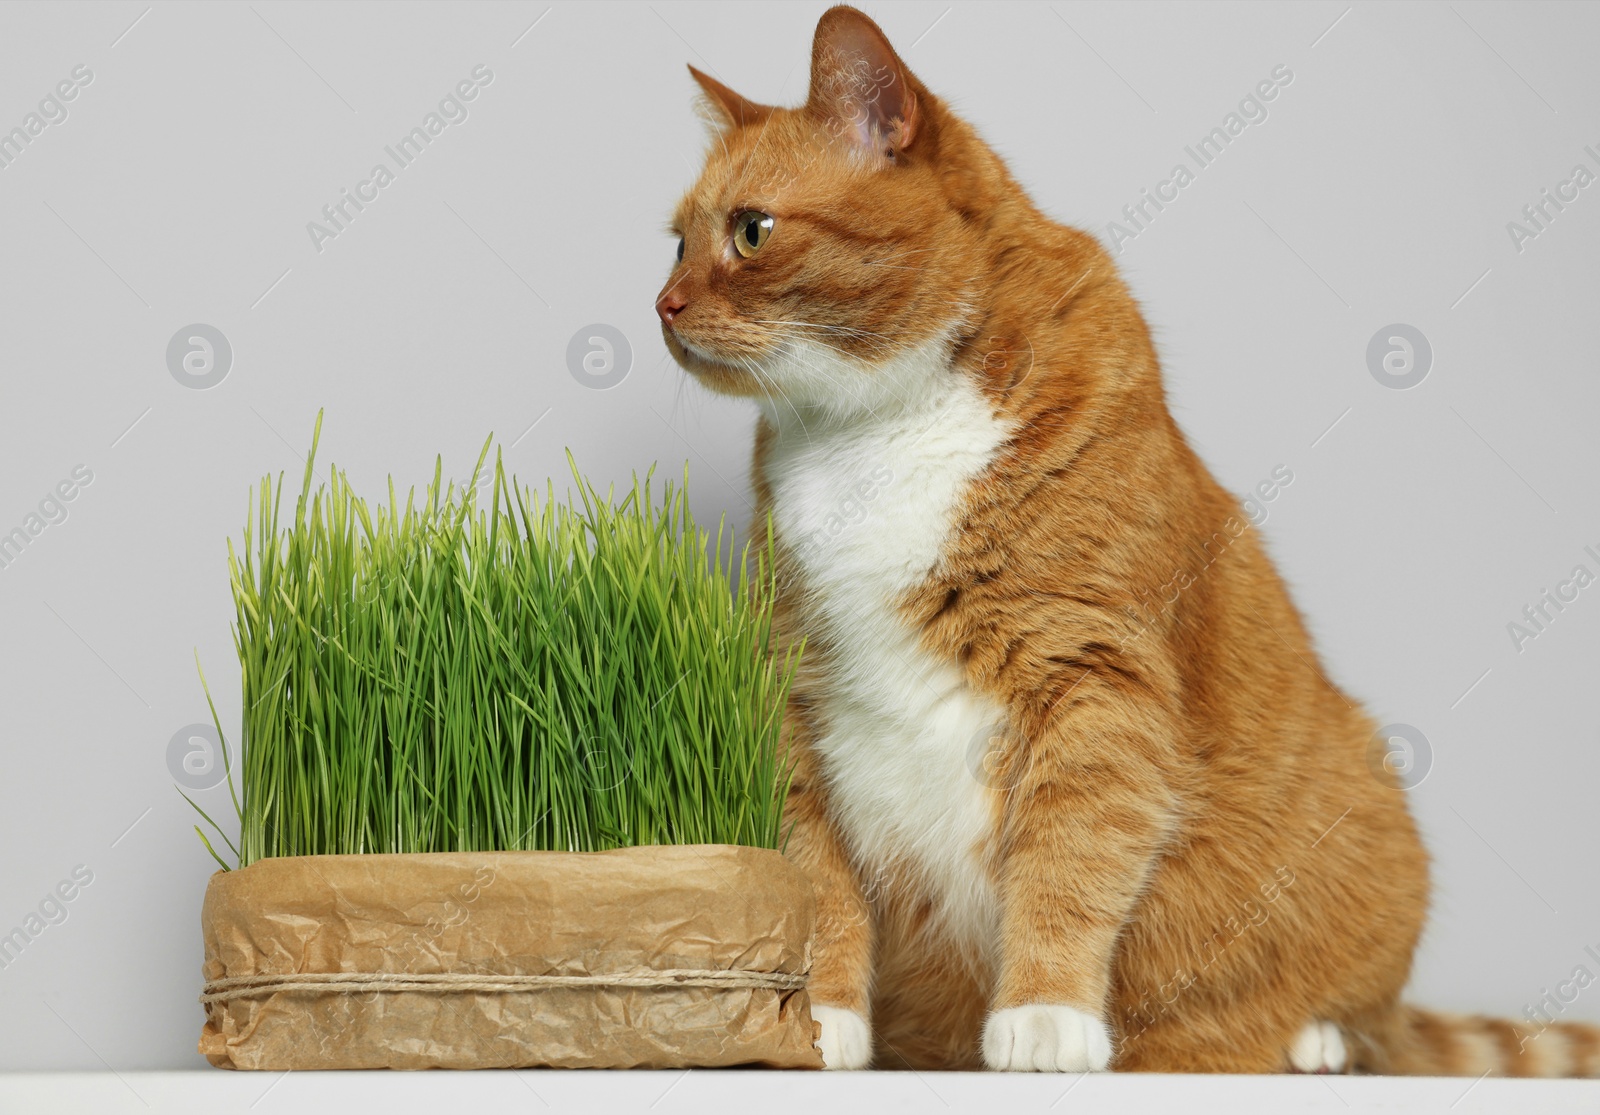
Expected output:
(826, 250)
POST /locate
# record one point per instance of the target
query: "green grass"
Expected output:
(532, 674)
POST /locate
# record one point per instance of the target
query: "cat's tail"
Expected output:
(1433, 1043)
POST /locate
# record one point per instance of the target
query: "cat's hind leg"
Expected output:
(1230, 1037)
(1319, 1048)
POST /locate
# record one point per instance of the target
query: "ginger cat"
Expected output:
(1070, 786)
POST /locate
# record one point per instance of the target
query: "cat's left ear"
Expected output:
(860, 86)
(725, 106)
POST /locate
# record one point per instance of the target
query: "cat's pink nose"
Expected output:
(669, 306)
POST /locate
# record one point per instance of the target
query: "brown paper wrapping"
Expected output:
(622, 914)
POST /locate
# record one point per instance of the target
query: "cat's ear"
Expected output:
(860, 86)
(724, 107)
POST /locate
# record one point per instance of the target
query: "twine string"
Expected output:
(245, 987)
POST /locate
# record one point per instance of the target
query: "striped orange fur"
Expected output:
(1070, 784)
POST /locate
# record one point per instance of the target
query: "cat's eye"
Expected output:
(750, 232)
(680, 249)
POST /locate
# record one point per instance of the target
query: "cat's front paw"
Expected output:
(1045, 1038)
(846, 1039)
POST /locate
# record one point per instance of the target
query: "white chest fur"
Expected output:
(867, 503)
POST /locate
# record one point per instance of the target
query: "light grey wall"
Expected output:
(1419, 523)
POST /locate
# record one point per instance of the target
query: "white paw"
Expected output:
(1042, 1038)
(846, 1039)
(1318, 1047)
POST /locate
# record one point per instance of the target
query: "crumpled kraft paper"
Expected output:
(623, 913)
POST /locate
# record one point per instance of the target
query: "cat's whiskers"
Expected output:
(790, 350)
(776, 390)
(821, 325)
(839, 330)
(855, 390)
(816, 325)
(878, 345)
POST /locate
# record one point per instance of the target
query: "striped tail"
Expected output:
(1433, 1043)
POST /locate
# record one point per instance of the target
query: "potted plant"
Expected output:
(510, 789)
